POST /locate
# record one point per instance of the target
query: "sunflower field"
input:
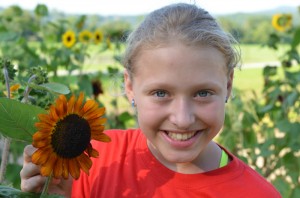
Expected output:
(60, 71)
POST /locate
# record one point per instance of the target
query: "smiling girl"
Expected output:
(179, 68)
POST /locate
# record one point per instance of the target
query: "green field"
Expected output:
(245, 78)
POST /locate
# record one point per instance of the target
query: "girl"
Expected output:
(179, 68)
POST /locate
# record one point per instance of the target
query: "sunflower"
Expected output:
(85, 36)
(98, 36)
(64, 135)
(12, 90)
(69, 38)
(282, 22)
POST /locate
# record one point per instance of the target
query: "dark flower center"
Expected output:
(71, 136)
(69, 38)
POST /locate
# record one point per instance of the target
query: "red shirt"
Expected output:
(126, 168)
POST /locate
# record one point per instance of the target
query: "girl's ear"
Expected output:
(128, 86)
(230, 83)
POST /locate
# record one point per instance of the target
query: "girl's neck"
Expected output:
(208, 160)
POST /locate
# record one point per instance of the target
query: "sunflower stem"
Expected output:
(46, 186)
(5, 151)
(28, 89)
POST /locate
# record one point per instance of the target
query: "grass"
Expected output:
(248, 79)
(256, 53)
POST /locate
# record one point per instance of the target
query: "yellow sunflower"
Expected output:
(64, 135)
(85, 36)
(98, 36)
(282, 22)
(69, 38)
(12, 90)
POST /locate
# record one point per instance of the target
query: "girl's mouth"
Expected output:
(180, 136)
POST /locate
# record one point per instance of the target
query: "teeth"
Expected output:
(181, 136)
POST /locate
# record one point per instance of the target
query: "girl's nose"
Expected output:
(182, 114)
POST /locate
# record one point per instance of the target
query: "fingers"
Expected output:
(31, 180)
(33, 184)
(28, 151)
(29, 170)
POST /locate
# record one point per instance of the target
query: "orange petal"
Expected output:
(97, 129)
(74, 168)
(85, 163)
(40, 156)
(53, 113)
(90, 105)
(65, 172)
(91, 151)
(96, 122)
(64, 101)
(100, 137)
(41, 143)
(47, 168)
(41, 135)
(94, 114)
(42, 125)
(58, 168)
(71, 104)
(60, 110)
(45, 118)
(78, 103)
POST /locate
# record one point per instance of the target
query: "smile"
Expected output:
(181, 136)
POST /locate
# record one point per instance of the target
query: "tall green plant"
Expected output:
(264, 130)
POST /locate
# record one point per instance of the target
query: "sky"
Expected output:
(135, 7)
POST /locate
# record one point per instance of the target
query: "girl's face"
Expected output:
(180, 94)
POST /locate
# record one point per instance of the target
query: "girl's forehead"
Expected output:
(185, 59)
(176, 52)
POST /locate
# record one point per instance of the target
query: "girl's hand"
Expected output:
(33, 181)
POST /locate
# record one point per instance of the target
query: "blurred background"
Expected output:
(80, 44)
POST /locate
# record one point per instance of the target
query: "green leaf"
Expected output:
(52, 87)
(17, 119)
(296, 39)
(8, 36)
(41, 10)
(269, 71)
(6, 191)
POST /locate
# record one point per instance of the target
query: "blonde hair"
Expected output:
(186, 23)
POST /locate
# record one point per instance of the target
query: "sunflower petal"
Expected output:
(45, 118)
(41, 143)
(85, 163)
(96, 122)
(95, 113)
(71, 104)
(53, 113)
(74, 168)
(64, 102)
(97, 129)
(42, 125)
(65, 172)
(58, 168)
(60, 110)
(40, 156)
(90, 105)
(100, 137)
(47, 168)
(91, 151)
(78, 103)
(40, 135)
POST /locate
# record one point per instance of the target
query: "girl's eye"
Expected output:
(203, 93)
(160, 93)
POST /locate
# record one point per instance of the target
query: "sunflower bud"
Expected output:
(4, 63)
